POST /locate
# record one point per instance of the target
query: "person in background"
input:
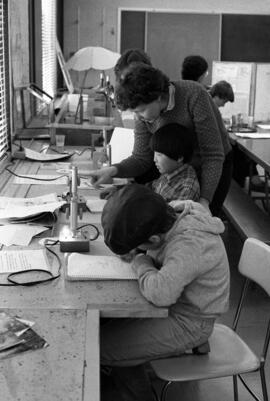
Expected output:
(194, 68)
(172, 146)
(156, 101)
(185, 269)
(222, 92)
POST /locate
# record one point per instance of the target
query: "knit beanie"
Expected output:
(131, 215)
(174, 141)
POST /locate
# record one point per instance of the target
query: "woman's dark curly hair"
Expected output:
(141, 84)
(128, 57)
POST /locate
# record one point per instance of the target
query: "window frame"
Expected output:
(7, 125)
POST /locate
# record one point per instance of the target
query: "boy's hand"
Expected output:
(106, 193)
(129, 257)
(141, 258)
(177, 205)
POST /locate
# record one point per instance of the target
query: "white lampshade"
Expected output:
(94, 57)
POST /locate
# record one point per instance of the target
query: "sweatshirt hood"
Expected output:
(194, 216)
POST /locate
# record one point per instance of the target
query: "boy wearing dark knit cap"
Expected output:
(185, 269)
(173, 148)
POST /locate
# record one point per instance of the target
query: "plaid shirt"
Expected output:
(181, 184)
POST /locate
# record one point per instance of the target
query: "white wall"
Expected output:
(19, 51)
(19, 34)
(95, 22)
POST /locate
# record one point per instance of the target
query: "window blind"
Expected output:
(48, 35)
(3, 80)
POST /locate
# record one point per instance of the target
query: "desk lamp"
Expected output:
(91, 57)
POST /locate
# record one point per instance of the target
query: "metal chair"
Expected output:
(260, 192)
(229, 354)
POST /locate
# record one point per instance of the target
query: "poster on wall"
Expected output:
(242, 77)
(262, 93)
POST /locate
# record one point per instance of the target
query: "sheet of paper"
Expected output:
(23, 207)
(95, 204)
(122, 142)
(34, 155)
(12, 261)
(85, 183)
(55, 166)
(41, 179)
(19, 234)
(45, 179)
(263, 126)
(253, 135)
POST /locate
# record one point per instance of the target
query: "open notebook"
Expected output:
(98, 267)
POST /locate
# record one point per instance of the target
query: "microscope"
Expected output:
(71, 239)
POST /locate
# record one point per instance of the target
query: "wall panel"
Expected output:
(245, 38)
(173, 36)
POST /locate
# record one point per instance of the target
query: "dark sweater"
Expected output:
(194, 109)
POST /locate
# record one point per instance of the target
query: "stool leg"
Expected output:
(164, 391)
(235, 388)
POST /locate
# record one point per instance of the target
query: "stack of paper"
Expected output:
(34, 155)
(20, 234)
(18, 210)
(25, 259)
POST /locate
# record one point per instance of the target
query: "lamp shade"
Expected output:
(94, 57)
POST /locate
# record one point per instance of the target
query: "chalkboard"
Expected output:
(173, 36)
(132, 30)
(245, 38)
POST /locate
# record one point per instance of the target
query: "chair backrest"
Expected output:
(255, 262)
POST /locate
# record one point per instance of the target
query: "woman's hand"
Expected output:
(103, 176)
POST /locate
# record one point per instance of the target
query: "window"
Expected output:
(48, 35)
(4, 96)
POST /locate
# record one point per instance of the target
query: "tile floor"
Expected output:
(251, 328)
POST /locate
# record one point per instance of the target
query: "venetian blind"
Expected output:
(3, 83)
(48, 34)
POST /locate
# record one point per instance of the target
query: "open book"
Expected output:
(97, 267)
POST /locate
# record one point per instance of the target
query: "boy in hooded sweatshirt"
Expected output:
(185, 269)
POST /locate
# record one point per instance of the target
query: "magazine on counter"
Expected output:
(17, 335)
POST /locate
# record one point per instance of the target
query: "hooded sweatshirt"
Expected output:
(189, 272)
